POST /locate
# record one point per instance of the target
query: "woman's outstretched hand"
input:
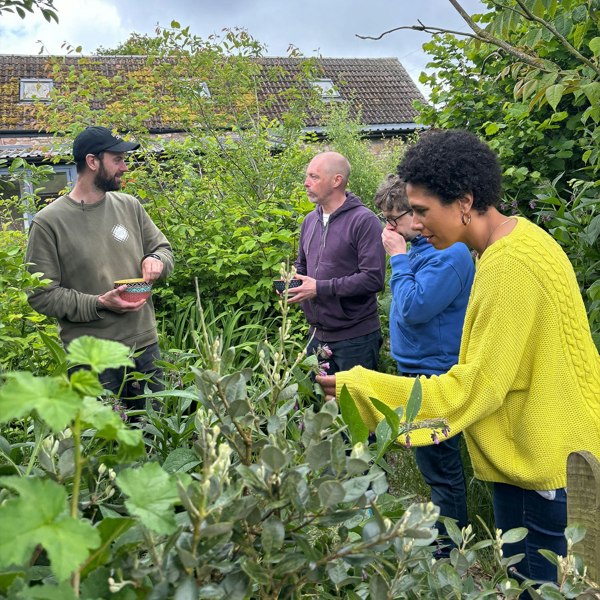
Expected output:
(327, 382)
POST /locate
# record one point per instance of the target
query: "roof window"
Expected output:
(326, 88)
(31, 90)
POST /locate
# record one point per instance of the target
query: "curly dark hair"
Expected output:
(449, 163)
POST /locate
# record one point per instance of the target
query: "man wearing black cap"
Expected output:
(86, 240)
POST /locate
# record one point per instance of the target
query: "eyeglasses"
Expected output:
(394, 220)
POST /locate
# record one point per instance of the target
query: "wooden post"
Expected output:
(583, 506)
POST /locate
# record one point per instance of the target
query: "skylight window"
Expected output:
(326, 88)
(35, 89)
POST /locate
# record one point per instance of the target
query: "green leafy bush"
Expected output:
(261, 497)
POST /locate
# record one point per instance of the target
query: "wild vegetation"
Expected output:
(245, 484)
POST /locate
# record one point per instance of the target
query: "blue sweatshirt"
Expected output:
(347, 260)
(430, 292)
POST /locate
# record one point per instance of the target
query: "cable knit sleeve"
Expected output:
(493, 357)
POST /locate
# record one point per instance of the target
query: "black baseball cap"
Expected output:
(94, 140)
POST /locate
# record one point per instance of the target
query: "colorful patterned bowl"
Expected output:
(279, 284)
(136, 290)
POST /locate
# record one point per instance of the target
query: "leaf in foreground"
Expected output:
(359, 432)
(50, 397)
(39, 515)
(98, 354)
(152, 494)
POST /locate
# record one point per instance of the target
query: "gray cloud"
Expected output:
(325, 27)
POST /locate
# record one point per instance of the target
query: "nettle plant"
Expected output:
(269, 496)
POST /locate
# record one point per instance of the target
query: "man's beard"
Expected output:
(105, 183)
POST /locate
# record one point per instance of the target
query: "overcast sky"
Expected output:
(316, 27)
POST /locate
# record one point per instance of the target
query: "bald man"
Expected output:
(341, 263)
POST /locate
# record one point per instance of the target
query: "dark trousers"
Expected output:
(545, 520)
(442, 469)
(114, 379)
(359, 351)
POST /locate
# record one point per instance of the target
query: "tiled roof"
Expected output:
(379, 87)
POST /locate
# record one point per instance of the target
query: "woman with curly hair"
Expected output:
(526, 389)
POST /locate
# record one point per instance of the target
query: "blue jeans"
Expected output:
(359, 351)
(546, 521)
(442, 469)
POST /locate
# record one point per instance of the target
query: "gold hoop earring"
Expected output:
(465, 219)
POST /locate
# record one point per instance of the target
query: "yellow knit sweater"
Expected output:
(526, 389)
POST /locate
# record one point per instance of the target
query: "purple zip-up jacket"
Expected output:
(347, 259)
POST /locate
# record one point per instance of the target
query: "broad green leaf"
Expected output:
(355, 466)
(50, 397)
(554, 94)
(538, 8)
(39, 515)
(491, 128)
(86, 383)
(275, 424)
(378, 588)
(234, 386)
(391, 418)
(384, 436)
(152, 493)
(448, 577)
(254, 570)
(274, 458)
(338, 454)
(371, 530)
(318, 455)
(187, 589)
(453, 531)
(291, 391)
(592, 231)
(579, 34)
(291, 563)
(331, 493)
(592, 92)
(337, 571)
(356, 487)
(272, 535)
(108, 423)
(62, 591)
(595, 46)
(216, 529)
(98, 354)
(514, 535)
(359, 432)
(551, 556)
(575, 533)
(413, 406)
(181, 460)
(330, 408)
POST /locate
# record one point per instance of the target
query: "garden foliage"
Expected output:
(267, 495)
(245, 483)
(529, 84)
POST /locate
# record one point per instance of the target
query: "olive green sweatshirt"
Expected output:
(83, 249)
